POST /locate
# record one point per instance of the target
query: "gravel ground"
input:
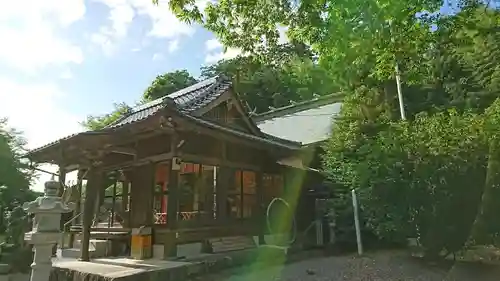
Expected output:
(386, 266)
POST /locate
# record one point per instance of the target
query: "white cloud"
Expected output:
(135, 50)
(121, 16)
(35, 11)
(213, 44)
(41, 118)
(32, 48)
(215, 51)
(173, 46)
(158, 56)
(228, 54)
(66, 74)
(122, 13)
(33, 40)
(104, 40)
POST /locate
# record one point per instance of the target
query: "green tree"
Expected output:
(264, 86)
(412, 178)
(15, 175)
(12, 170)
(351, 38)
(475, 38)
(97, 122)
(168, 83)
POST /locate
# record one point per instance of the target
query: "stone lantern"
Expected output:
(46, 229)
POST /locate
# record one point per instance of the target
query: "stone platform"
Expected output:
(126, 269)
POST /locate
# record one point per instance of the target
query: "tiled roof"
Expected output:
(187, 100)
(300, 124)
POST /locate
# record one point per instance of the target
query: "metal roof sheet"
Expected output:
(307, 126)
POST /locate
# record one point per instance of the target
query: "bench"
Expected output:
(228, 244)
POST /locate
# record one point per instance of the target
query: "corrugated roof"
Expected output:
(300, 106)
(306, 126)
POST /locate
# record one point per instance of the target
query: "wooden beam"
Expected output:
(191, 126)
(217, 162)
(122, 150)
(246, 118)
(139, 162)
(72, 167)
(119, 137)
(45, 171)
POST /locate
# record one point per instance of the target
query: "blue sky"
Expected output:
(62, 60)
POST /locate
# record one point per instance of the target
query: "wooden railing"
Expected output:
(161, 218)
(63, 238)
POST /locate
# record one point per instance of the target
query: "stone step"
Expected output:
(95, 244)
(97, 249)
(75, 253)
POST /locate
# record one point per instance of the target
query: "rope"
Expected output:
(294, 225)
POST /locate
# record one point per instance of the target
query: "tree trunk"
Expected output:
(479, 227)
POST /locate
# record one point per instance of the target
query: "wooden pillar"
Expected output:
(170, 243)
(79, 185)
(101, 192)
(141, 196)
(112, 220)
(60, 192)
(62, 221)
(125, 203)
(94, 181)
(209, 196)
(62, 179)
(125, 194)
(223, 180)
(78, 209)
(261, 211)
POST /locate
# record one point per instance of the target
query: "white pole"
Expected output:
(214, 205)
(356, 222)
(400, 94)
(398, 78)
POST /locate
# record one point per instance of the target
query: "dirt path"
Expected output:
(386, 266)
